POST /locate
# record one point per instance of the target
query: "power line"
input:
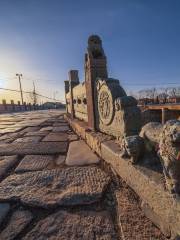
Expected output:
(40, 95)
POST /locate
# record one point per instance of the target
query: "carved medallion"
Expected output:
(105, 105)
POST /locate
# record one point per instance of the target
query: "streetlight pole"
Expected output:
(19, 75)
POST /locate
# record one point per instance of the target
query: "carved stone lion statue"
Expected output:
(169, 151)
(165, 140)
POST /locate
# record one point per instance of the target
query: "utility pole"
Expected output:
(19, 75)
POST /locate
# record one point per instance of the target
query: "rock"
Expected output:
(33, 148)
(4, 209)
(48, 188)
(82, 225)
(56, 137)
(80, 154)
(6, 163)
(18, 221)
(34, 163)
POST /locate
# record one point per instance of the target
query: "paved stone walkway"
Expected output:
(41, 197)
(52, 186)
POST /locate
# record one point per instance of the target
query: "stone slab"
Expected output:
(43, 133)
(4, 209)
(49, 188)
(73, 137)
(34, 139)
(82, 225)
(61, 129)
(80, 154)
(18, 221)
(6, 163)
(10, 130)
(33, 148)
(30, 129)
(56, 137)
(33, 163)
(59, 124)
(49, 128)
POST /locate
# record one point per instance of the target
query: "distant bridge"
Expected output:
(168, 110)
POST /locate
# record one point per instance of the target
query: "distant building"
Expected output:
(53, 105)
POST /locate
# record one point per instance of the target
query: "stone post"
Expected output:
(12, 105)
(24, 106)
(73, 81)
(95, 66)
(4, 104)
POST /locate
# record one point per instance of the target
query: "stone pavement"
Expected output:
(41, 197)
(52, 186)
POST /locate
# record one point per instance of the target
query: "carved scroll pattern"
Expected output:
(105, 105)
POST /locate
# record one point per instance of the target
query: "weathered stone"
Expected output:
(10, 129)
(169, 151)
(30, 129)
(59, 124)
(146, 182)
(48, 188)
(18, 221)
(60, 159)
(33, 163)
(33, 148)
(6, 163)
(43, 133)
(72, 137)
(56, 137)
(61, 129)
(4, 209)
(131, 220)
(94, 140)
(151, 134)
(158, 221)
(82, 225)
(166, 141)
(132, 147)
(34, 139)
(80, 154)
(46, 129)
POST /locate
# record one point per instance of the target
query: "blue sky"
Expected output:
(44, 39)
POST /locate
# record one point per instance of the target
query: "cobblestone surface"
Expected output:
(67, 187)
(6, 162)
(18, 221)
(33, 163)
(42, 198)
(74, 226)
